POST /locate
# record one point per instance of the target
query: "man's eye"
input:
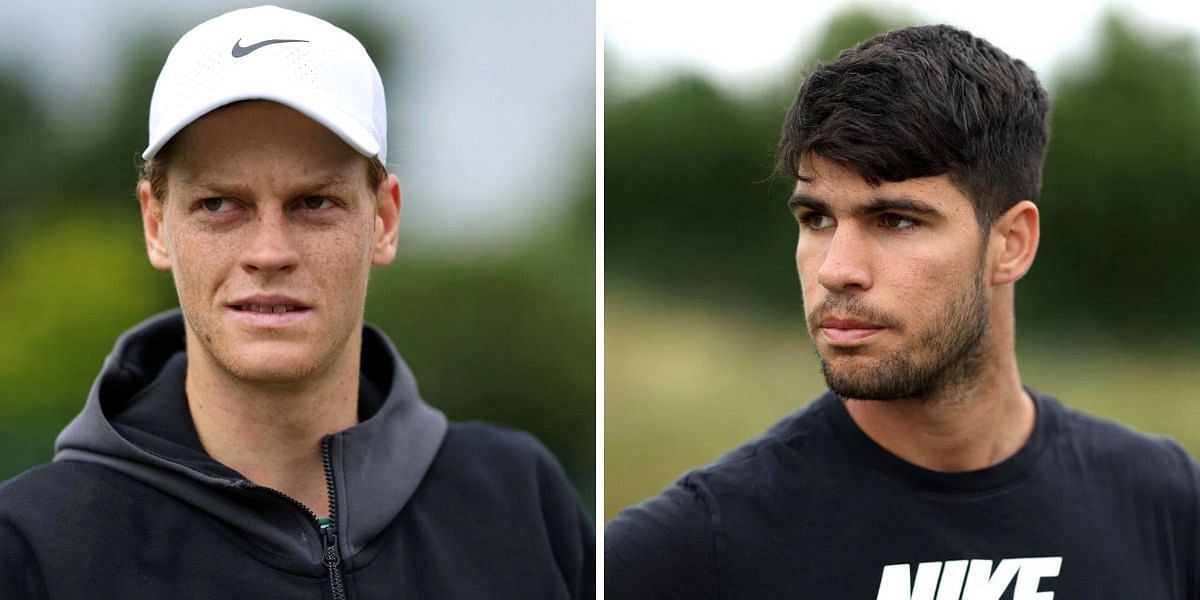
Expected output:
(216, 204)
(816, 221)
(317, 202)
(897, 222)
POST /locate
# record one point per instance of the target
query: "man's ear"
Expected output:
(152, 227)
(1014, 242)
(387, 220)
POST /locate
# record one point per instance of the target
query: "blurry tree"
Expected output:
(509, 338)
(1122, 191)
(691, 202)
(22, 153)
(71, 285)
(102, 165)
(847, 29)
(686, 178)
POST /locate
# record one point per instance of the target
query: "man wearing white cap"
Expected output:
(261, 441)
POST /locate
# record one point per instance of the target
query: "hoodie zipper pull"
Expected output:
(332, 561)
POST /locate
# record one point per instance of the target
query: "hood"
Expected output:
(136, 421)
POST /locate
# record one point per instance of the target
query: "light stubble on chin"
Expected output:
(282, 372)
(947, 355)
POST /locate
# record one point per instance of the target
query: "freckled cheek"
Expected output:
(200, 264)
(338, 263)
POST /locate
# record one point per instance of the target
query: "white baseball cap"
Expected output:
(270, 53)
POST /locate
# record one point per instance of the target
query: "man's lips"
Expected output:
(264, 303)
(848, 331)
(269, 311)
(848, 324)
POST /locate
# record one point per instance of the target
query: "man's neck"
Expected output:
(272, 433)
(964, 427)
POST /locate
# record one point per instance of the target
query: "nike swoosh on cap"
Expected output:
(239, 50)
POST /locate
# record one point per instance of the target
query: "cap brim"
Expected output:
(345, 127)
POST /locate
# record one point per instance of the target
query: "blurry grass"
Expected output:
(685, 382)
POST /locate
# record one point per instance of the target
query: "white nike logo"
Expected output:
(968, 580)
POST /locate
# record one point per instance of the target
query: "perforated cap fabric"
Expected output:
(271, 53)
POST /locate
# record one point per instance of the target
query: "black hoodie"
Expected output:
(133, 507)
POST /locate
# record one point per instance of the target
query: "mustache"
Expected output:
(853, 307)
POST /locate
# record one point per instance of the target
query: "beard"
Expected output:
(948, 354)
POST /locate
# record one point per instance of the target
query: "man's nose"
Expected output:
(846, 265)
(271, 246)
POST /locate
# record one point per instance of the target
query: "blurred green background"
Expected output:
(705, 344)
(501, 330)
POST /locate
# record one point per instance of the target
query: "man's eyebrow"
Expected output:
(218, 187)
(912, 205)
(324, 181)
(813, 204)
(238, 189)
(875, 206)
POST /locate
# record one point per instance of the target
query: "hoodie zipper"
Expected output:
(332, 558)
(329, 532)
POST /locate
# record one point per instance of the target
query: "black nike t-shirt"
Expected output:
(814, 508)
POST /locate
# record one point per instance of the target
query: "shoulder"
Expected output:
(507, 478)
(800, 448)
(495, 448)
(507, 468)
(52, 507)
(61, 499)
(489, 436)
(1152, 480)
(48, 491)
(1144, 464)
(670, 546)
(1107, 443)
(665, 547)
(72, 500)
